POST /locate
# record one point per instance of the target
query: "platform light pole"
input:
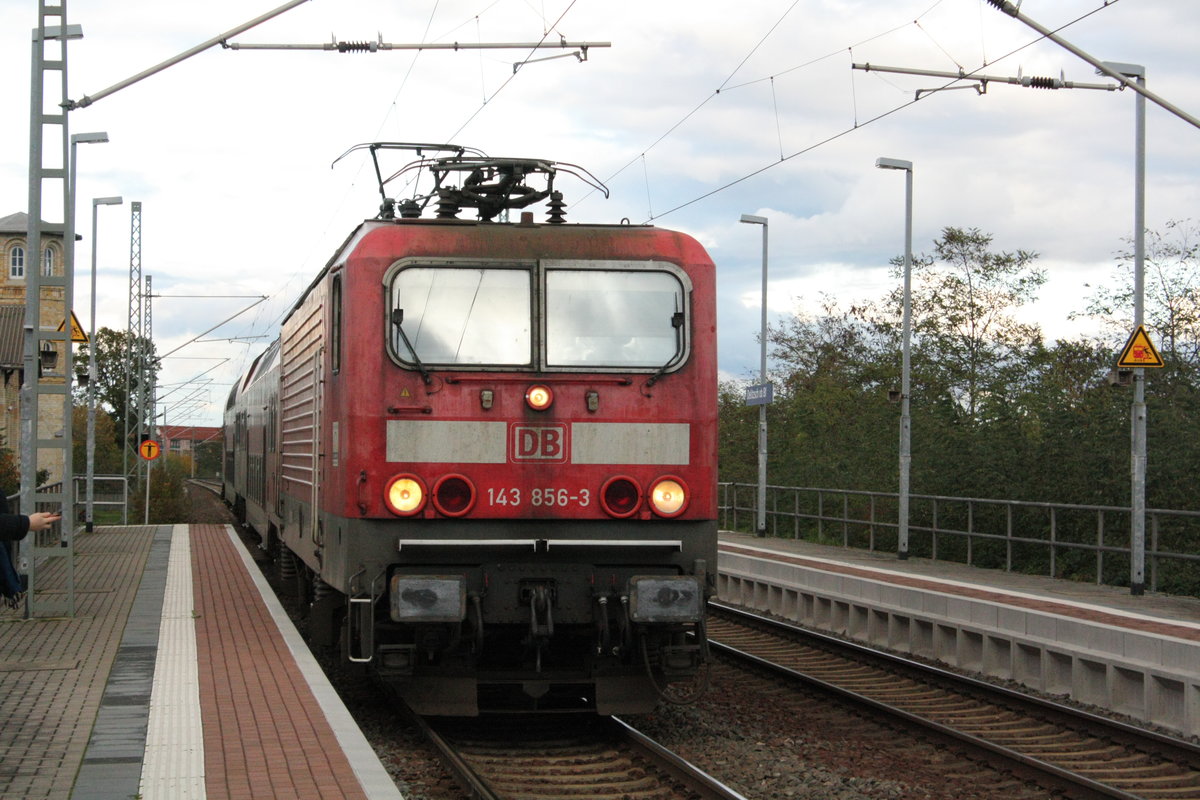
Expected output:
(761, 522)
(98, 137)
(95, 137)
(905, 361)
(91, 387)
(1137, 499)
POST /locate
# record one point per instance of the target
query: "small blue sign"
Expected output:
(760, 394)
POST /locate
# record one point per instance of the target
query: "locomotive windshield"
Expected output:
(464, 316)
(611, 318)
(583, 316)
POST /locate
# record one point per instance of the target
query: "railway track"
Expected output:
(559, 756)
(1061, 748)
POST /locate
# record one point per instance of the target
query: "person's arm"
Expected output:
(13, 527)
(41, 520)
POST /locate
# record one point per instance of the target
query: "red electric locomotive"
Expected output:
(488, 447)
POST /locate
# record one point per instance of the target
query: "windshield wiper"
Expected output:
(677, 324)
(398, 321)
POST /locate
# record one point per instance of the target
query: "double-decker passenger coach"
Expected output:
(487, 447)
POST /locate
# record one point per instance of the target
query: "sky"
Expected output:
(697, 113)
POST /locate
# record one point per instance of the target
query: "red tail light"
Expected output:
(453, 495)
(620, 497)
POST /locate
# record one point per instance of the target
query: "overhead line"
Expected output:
(856, 126)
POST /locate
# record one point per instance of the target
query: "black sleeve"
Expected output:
(12, 526)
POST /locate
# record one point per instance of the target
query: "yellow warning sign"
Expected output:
(149, 449)
(77, 334)
(1139, 351)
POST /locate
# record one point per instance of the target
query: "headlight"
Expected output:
(428, 598)
(405, 495)
(539, 397)
(665, 598)
(668, 497)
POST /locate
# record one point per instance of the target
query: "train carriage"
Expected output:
(489, 449)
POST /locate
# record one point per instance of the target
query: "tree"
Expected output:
(1171, 294)
(208, 457)
(831, 417)
(116, 354)
(108, 459)
(963, 297)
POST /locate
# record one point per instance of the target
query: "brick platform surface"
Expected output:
(53, 670)
(265, 735)
(96, 705)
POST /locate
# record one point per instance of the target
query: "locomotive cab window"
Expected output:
(613, 318)
(452, 315)
(559, 315)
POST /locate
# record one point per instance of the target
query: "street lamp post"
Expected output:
(69, 236)
(905, 362)
(761, 523)
(1137, 504)
(91, 387)
(95, 137)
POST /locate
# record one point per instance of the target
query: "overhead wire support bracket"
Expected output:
(1101, 67)
(336, 46)
(1028, 81)
(581, 55)
(87, 100)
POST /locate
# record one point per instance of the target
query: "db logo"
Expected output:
(538, 443)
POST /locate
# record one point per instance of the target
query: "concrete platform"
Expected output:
(178, 677)
(1138, 656)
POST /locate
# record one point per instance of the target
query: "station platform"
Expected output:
(179, 676)
(1099, 645)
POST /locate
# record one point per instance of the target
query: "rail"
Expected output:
(1078, 542)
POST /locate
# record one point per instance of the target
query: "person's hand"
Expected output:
(41, 520)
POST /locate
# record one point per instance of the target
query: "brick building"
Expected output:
(15, 263)
(183, 440)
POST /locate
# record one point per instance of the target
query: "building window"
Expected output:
(48, 262)
(16, 262)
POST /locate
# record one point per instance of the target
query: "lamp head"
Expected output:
(893, 163)
(751, 218)
(89, 138)
(107, 201)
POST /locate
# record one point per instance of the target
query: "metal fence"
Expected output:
(1079, 542)
(108, 492)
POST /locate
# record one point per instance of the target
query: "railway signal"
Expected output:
(149, 449)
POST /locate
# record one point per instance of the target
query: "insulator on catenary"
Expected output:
(356, 47)
(1042, 83)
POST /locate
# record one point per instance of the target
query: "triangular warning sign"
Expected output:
(1139, 351)
(77, 334)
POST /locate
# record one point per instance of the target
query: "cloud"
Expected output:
(697, 114)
